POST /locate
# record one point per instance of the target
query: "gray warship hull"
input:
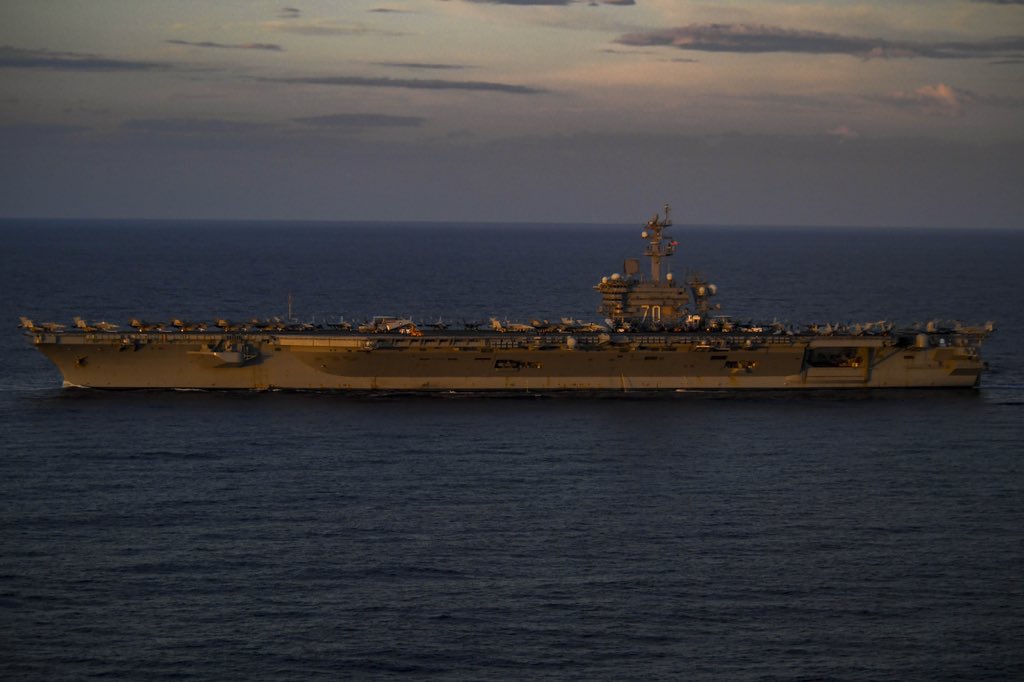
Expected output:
(511, 362)
(658, 334)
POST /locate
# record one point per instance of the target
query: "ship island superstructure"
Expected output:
(657, 334)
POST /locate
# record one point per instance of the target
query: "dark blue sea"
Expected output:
(691, 536)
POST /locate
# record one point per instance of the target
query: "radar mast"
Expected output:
(657, 246)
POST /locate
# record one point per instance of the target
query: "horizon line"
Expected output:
(5, 221)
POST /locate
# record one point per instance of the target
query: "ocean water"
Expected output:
(719, 536)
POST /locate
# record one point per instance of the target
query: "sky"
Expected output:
(751, 112)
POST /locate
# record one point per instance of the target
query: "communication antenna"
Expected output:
(656, 249)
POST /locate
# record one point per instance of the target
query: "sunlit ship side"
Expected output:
(658, 334)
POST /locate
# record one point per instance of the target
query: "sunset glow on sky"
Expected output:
(879, 112)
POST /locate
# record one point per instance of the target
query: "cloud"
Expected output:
(360, 121)
(409, 83)
(16, 58)
(553, 3)
(934, 100)
(193, 126)
(612, 50)
(522, 2)
(420, 65)
(941, 99)
(756, 39)
(844, 132)
(289, 13)
(674, 60)
(241, 46)
(325, 27)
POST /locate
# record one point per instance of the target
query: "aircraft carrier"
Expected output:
(656, 333)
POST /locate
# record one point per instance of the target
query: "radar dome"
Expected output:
(644, 234)
(616, 275)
